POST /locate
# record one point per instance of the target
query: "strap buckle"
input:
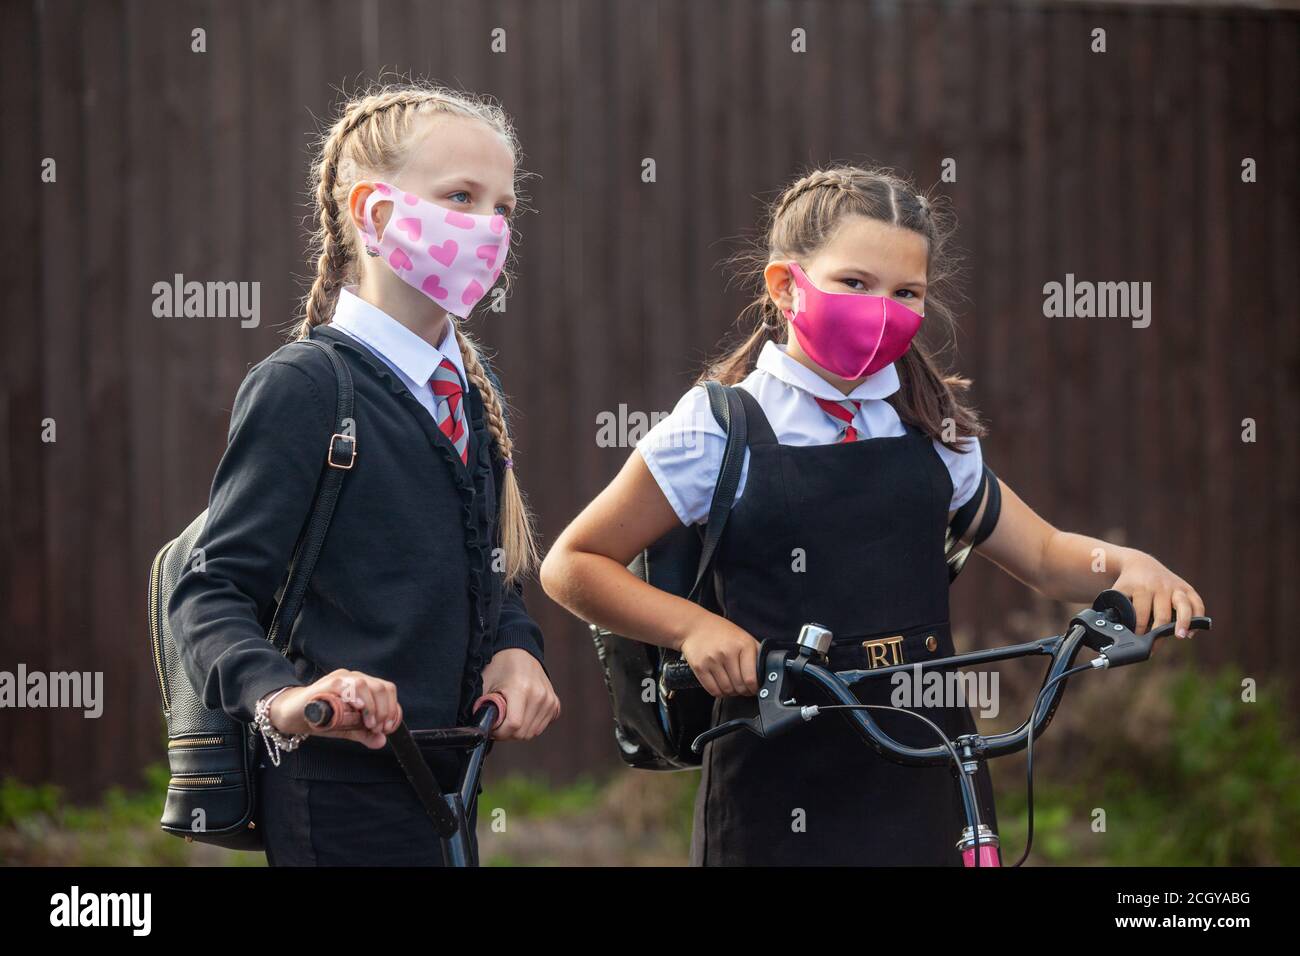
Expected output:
(342, 451)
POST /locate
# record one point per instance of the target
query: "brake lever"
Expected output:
(751, 724)
(774, 715)
(1118, 644)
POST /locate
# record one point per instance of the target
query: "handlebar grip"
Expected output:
(496, 699)
(319, 713)
(677, 675)
(328, 712)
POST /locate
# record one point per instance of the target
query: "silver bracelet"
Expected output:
(274, 740)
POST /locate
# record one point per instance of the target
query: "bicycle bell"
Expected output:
(815, 640)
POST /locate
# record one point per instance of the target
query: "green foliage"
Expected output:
(1223, 790)
(38, 828)
(524, 796)
(19, 802)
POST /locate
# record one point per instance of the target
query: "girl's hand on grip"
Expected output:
(366, 708)
(724, 657)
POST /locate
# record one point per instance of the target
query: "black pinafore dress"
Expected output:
(849, 536)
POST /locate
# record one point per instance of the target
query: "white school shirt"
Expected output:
(411, 358)
(684, 450)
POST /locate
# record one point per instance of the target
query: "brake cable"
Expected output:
(971, 800)
(1029, 754)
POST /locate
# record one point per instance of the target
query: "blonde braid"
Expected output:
(518, 537)
(336, 252)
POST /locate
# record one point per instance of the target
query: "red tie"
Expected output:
(451, 415)
(842, 412)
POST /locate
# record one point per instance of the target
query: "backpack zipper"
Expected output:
(155, 630)
(181, 742)
(191, 782)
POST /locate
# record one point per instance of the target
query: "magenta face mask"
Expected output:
(451, 256)
(849, 334)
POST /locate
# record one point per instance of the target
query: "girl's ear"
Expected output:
(357, 209)
(780, 284)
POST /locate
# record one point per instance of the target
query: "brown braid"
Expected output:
(821, 179)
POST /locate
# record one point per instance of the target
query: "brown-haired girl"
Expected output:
(860, 451)
(414, 609)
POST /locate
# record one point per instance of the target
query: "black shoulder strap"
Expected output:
(988, 494)
(730, 412)
(340, 454)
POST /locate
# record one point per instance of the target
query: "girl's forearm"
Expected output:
(1075, 567)
(603, 592)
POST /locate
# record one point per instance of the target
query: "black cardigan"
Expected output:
(406, 587)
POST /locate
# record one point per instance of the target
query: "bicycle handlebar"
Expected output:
(489, 711)
(1106, 627)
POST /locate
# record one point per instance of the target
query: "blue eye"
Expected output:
(460, 196)
(503, 210)
(907, 292)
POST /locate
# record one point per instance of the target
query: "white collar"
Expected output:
(776, 362)
(411, 355)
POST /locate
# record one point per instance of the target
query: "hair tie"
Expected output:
(508, 462)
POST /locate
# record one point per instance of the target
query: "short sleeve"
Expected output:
(965, 469)
(684, 454)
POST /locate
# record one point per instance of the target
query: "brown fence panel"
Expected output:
(1122, 166)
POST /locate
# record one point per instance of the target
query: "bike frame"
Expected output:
(457, 848)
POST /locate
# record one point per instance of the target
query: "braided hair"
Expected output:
(371, 135)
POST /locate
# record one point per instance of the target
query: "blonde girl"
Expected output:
(414, 609)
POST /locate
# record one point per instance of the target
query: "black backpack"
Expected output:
(213, 758)
(654, 728)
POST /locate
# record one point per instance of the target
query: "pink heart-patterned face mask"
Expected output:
(451, 256)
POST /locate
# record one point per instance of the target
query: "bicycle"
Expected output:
(1106, 628)
(448, 811)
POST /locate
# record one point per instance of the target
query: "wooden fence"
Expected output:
(1117, 166)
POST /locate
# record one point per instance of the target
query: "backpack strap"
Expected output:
(987, 494)
(340, 456)
(729, 411)
(759, 429)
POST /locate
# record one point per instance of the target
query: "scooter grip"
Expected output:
(328, 712)
(495, 698)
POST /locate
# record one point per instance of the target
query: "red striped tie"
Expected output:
(451, 415)
(842, 412)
